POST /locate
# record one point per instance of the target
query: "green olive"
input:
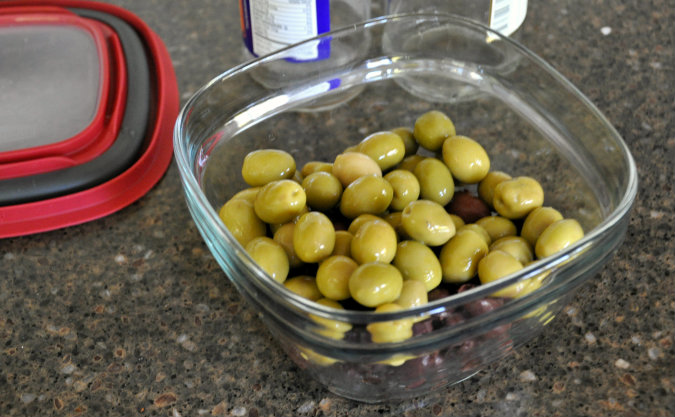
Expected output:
(270, 256)
(498, 264)
(497, 227)
(478, 229)
(395, 220)
(249, 194)
(374, 241)
(538, 220)
(406, 188)
(458, 221)
(515, 246)
(240, 219)
(413, 294)
(313, 237)
(461, 255)
(486, 188)
(280, 201)
(409, 142)
(432, 128)
(417, 262)
(315, 166)
(375, 283)
(333, 329)
(266, 165)
(385, 148)
(332, 277)
(305, 286)
(428, 222)
(410, 162)
(516, 197)
(349, 166)
(390, 331)
(436, 183)
(343, 243)
(369, 194)
(558, 236)
(283, 235)
(323, 190)
(466, 158)
(359, 221)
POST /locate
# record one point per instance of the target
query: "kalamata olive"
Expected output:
(374, 241)
(323, 190)
(467, 206)
(459, 257)
(432, 128)
(270, 256)
(332, 277)
(466, 158)
(436, 183)
(558, 236)
(538, 220)
(486, 188)
(418, 262)
(280, 201)
(313, 237)
(385, 148)
(375, 283)
(240, 219)
(266, 165)
(516, 197)
(305, 286)
(349, 166)
(368, 194)
(428, 222)
(406, 188)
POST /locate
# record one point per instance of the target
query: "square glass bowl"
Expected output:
(382, 74)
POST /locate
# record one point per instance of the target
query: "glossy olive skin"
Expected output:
(498, 264)
(516, 197)
(416, 261)
(266, 165)
(436, 183)
(313, 237)
(410, 162)
(385, 148)
(333, 329)
(280, 201)
(370, 194)
(360, 220)
(374, 241)
(349, 166)
(515, 246)
(315, 166)
(427, 222)
(497, 227)
(486, 187)
(343, 243)
(432, 128)
(375, 283)
(467, 159)
(413, 294)
(305, 286)
(460, 256)
(538, 220)
(248, 194)
(284, 236)
(409, 142)
(406, 188)
(240, 219)
(558, 236)
(332, 277)
(270, 256)
(323, 190)
(478, 229)
(390, 331)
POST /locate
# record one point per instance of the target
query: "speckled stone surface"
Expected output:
(130, 315)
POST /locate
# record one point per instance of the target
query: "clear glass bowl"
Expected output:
(528, 117)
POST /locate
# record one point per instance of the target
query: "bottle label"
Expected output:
(269, 25)
(506, 16)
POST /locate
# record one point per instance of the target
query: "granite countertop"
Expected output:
(130, 315)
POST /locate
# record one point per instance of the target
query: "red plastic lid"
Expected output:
(66, 110)
(129, 185)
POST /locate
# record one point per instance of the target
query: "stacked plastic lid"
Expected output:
(88, 99)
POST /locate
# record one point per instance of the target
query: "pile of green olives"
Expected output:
(383, 224)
